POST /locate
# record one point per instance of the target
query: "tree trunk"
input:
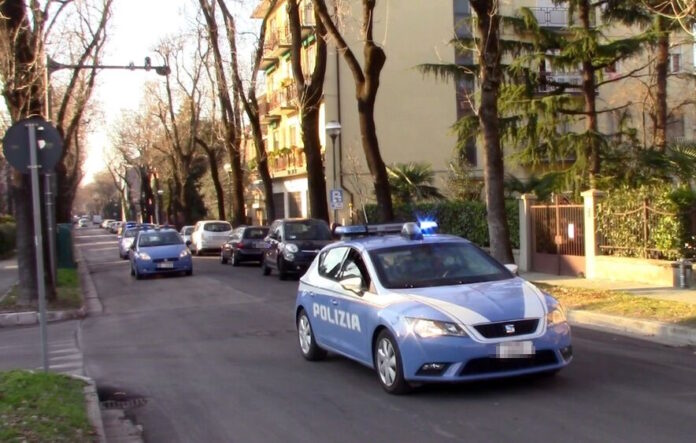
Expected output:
(661, 71)
(262, 163)
(366, 86)
(310, 92)
(589, 89)
(488, 26)
(219, 193)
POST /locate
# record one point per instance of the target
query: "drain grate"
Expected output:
(111, 398)
(124, 404)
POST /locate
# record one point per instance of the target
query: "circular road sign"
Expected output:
(15, 145)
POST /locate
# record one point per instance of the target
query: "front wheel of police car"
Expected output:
(388, 363)
(308, 345)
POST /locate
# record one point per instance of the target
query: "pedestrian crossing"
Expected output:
(64, 357)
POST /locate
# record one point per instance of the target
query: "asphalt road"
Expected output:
(216, 358)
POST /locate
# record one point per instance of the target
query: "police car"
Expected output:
(424, 308)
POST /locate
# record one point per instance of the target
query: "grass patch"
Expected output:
(624, 305)
(68, 294)
(38, 407)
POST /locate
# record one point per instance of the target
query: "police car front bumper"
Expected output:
(451, 359)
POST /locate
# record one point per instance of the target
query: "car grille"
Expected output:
(161, 260)
(497, 330)
(488, 365)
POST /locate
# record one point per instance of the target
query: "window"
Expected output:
(675, 61)
(217, 227)
(330, 262)
(255, 233)
(354, 267)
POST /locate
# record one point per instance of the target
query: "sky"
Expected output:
(136, 28)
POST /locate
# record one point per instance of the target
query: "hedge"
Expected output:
(8, 237)
(463, 218)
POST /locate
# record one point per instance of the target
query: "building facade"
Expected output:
(414, 113)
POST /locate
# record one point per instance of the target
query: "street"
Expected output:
(215, 358)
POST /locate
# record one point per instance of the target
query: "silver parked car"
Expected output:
(185, 233)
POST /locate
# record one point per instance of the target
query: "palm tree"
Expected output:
(412, 182)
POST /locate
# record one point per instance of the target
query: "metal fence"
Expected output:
(644, 232)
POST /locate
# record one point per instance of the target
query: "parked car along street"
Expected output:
(293, 244)
(246, 243)
(209, 236)
(185, 233)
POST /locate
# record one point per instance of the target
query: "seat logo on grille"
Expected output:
(510, 329)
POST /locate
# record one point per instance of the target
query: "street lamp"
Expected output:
(333, 130)
(157, 205)
(227, 167)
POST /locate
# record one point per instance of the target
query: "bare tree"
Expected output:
(24, 30)
(230, 116)
(366, 80)
(248, 98)
(310, 91)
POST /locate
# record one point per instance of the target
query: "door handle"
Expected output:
(334, 302)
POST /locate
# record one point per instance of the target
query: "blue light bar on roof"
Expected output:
(380, 229)
(427, 225)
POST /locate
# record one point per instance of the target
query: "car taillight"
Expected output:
(239, 245)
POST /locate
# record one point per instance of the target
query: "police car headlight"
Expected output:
(434, 328)
(144, 256)
(292, 248)
(555, 316)
(185, 253)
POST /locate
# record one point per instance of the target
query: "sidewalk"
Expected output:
(639, 289)
(8, 275)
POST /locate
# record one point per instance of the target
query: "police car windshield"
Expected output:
(160, 239)
(435, 264)
(307, 230)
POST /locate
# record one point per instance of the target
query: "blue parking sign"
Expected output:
(336, 198)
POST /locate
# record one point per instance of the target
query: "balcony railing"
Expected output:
(550, 81)
(551, 17)
(287, 161)
(283, 99)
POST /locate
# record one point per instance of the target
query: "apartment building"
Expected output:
(414, 113)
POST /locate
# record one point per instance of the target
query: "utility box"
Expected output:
(64, 245)
(682, 272)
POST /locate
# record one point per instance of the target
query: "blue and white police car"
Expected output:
(424, 308)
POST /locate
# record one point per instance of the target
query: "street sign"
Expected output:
(15, 145)
(336, 198)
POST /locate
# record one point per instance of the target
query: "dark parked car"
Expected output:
(246, 243)
(293, 244)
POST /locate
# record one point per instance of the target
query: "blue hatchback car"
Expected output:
(159, 251)
(427, 308)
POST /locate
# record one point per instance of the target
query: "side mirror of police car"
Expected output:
(188, 242)
(353, 284)
(512, 268)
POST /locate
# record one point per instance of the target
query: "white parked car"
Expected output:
(209, 235)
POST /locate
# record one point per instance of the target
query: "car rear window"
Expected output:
(188, 231)
(255, 233)
(217, 227)
(307, 230)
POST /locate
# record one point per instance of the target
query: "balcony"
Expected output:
(287, 162)
(277, 42)
(553, 81)
(556, 17)
(549, 17)
(283, 101)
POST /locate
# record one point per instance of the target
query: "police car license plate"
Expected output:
(515, 349)
(165, 265)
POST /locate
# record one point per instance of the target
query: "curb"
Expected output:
(93, 409)
(91, 299)
(659, 332)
